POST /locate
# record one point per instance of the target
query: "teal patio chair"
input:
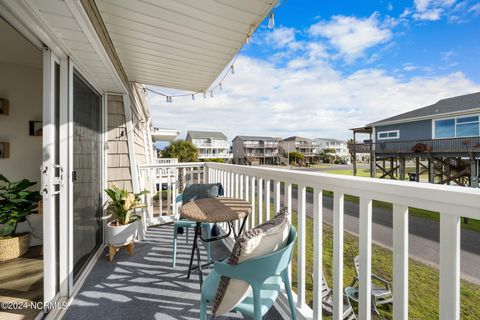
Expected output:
(187, 224)
(265, 275)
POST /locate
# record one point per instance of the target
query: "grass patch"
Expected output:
(366, 173)
(424, 280)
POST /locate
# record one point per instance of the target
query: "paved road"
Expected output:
(423, 238)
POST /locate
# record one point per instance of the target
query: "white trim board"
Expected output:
(388, 132)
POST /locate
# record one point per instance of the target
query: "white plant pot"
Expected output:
(121, 235)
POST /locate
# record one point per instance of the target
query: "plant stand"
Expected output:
(112, 250)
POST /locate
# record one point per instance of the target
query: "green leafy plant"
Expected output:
(123, 203)
(295, 157)
(183, 150)
(16, 203)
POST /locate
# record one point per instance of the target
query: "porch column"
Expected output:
(354, 153)
(417, 168)
(431, 170)
(473, 172)
(373, 168)
(402, 168)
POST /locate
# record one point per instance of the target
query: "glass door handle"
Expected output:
(58, 180)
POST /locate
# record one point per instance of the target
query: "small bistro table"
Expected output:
(213, 210)
(352, 294)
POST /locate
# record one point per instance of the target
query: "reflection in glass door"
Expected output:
(87, 173)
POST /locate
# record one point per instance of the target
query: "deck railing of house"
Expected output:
(450, 145)
(451, 202)
(359, 148)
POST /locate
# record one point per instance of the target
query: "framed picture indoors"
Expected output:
(3, 106)
(36, 128)
(4, 150)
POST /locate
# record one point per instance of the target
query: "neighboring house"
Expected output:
(307, 147)
(337, 147)
(446, 134)
(255, 150)
(456, 117)
(210, 145)
(162, 134)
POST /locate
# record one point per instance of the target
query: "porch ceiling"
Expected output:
(180, 44)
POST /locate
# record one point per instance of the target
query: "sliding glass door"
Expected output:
(87, 173)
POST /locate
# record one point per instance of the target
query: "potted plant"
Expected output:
(16, 203)
(122, 204)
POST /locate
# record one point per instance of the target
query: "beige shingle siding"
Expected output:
(118, 160)
(139, 143)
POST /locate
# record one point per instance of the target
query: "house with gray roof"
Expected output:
(335, 146)
(445, 135)
(309, 148)
(255, 150)
(210, 144)
(456, 117)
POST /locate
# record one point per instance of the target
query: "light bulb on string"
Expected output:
(271, 21)
(193, 97)
(232, 69)
(220, 86)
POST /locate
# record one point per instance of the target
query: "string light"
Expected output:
(231, 70)
(271, 21)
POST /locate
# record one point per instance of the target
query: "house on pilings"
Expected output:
(441, 141)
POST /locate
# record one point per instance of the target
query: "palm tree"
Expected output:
(184, 151)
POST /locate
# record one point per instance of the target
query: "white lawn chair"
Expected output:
(381, 294)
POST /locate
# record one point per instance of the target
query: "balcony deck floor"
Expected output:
(146, 286)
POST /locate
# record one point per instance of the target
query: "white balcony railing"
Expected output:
(215, 155)
(219, 144)
(249, 183)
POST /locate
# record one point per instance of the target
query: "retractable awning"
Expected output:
(180, 44)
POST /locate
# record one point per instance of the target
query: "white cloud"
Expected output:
(281, 37)
(352, 36)
(306, 97)
(475, 8)
(430, 15)
(452, 10)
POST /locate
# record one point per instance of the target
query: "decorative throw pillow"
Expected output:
(264, 239)
(201, 191)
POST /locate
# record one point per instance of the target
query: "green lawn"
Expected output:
(366, 173)
(423, 280)
(469, 224)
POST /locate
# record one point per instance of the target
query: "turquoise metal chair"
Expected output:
(264, 274)
(187, 224)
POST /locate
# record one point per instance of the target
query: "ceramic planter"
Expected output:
(121, 235)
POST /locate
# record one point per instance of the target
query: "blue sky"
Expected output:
(328, 66)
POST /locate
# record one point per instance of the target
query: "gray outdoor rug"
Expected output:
(146, 286)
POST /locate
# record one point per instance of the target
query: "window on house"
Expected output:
(445, 128)
(394, 134)
(457, 127)
(467, 126)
